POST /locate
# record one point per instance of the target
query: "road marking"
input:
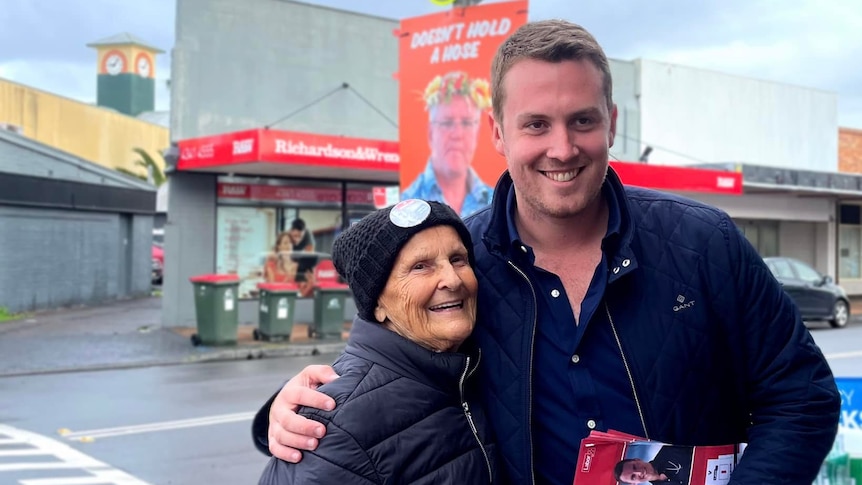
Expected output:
(161, 426)
(64, 458)
(100, 477)
(844, 355)
(28, 452)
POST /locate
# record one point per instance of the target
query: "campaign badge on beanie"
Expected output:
(365, 252)
(409, 213)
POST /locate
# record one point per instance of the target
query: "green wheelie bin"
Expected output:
(329, 309)
(275, 310)
(216, 309)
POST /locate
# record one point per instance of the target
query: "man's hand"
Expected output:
(290, 432)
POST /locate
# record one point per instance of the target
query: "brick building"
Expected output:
(849, 150)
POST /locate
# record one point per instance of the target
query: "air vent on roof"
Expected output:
(12, 128)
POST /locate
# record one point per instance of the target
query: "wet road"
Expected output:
(184, 424)
(842, 347)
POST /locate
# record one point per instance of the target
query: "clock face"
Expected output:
(114, 63)
(143, 66)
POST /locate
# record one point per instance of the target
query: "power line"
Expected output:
(303, 108)
(377, 110)
(657, 147)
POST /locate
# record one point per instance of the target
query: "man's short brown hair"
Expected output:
(550, 41)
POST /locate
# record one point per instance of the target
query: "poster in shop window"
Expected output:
(445, 100)
(243, 239)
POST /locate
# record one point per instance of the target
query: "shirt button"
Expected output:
(555, 293)
(616, 270)
(524, 248)
(591, 423)
(576, 358)
(626, 263)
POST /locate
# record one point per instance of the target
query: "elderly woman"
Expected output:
(403, 411)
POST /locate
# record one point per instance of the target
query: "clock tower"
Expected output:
(126, 74)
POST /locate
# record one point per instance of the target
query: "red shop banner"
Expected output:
(287, 147)
(683, 179)
(281, 193)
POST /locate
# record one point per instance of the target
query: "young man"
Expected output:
(603, 306)
(302, 240)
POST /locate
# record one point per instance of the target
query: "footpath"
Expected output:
(126, 334)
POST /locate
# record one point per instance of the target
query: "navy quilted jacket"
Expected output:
(734, 365)
(401, 416)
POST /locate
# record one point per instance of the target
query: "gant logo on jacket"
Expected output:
(683, 305)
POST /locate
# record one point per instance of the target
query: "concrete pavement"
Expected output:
(126, 334)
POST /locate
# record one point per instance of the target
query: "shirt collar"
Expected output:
(614, 216)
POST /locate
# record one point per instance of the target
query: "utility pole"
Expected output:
(465, 3)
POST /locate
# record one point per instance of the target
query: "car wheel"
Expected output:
(840, 314)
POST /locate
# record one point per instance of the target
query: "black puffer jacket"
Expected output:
(734, 363)
(401, 416)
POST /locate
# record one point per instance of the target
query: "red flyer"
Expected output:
(614, 458)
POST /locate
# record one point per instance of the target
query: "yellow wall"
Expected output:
(90, 132)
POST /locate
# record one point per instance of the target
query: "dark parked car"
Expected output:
(158, 257)
(816, 295)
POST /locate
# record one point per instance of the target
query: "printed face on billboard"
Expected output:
(453, 130)
(444, 102)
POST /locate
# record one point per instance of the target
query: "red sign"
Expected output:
(283, 193)
(289, 148)
(286, 147)
(683, 179)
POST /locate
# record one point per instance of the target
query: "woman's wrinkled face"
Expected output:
(430, 296)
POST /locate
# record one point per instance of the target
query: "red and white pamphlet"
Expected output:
(615, 458)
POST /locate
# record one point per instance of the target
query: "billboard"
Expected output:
(444, 101)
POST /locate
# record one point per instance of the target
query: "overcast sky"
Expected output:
(812, 43)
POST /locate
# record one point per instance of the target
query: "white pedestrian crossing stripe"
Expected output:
(44, 454)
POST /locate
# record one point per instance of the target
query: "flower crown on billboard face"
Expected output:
(442, 88)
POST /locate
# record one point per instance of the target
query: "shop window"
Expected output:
(361, 200)
(763, 235)
(850, 214)
(277, 230)
(308, 235)
(849, 242)
(243, 240)
(849, 245)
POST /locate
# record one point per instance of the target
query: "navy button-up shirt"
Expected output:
(579, 380)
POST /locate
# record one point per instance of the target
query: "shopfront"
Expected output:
(236, 196)
(266, 205)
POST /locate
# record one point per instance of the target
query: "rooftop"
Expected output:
(125, 39)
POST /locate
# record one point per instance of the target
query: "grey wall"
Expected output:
(53, 258)
(239, 65)
(626, 94)
(23, 156)
(189, 244)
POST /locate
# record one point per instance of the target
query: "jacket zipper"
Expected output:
(530, 384)
(470, 419)
(628, 371)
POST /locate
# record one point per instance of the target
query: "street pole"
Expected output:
(465, 3)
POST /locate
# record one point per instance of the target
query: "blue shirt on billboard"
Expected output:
(426, 187)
